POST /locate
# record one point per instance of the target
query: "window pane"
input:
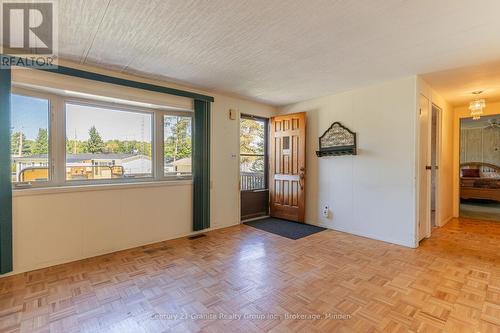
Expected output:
(30, 139)
(103, 143)
(177, 145)
(252, 136)
(252, 173)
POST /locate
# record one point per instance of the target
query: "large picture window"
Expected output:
(30, 139)
(103, 143)
(59, 140)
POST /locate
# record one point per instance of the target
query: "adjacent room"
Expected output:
(249, 166)
(480, 168)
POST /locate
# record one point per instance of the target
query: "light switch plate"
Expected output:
(232, 114)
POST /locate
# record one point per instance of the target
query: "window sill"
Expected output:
(97, 187)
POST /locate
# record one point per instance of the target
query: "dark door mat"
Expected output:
(284, 228)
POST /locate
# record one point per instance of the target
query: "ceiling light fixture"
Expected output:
(476, 106)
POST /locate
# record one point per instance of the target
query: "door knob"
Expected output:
(301, 180)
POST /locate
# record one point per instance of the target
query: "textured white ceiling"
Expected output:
(456, 85)
(279, 51)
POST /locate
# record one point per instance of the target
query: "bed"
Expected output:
(479, 181)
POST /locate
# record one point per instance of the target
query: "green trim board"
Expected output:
(201, 147)
(23, 62)
(5, 174)
(201, 165)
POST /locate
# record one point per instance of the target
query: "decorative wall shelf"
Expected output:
(337, 141)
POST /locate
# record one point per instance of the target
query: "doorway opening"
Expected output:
(429, 155)
(480, 168)
(435, 152)
(254, 189)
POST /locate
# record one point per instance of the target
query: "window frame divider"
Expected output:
(59, 142)
(159, 146)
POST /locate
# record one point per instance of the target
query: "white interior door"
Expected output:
(424, 171)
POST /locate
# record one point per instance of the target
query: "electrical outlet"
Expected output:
(326, 211)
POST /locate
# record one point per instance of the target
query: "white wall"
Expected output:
(225, 157)
(52, 228)
(371, 194)
(57, 226)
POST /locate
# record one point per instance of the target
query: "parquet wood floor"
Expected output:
(451, 283)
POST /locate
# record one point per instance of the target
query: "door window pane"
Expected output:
(252, 173)
(252, 136)
(252, 154)
(177, 145)
(103, 143)
(29, 139)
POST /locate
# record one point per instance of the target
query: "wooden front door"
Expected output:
(288, 166)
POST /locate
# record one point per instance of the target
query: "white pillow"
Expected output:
(492, 174)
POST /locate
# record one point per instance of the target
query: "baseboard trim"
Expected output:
(366, 235)
(446, 221)
(63, 261)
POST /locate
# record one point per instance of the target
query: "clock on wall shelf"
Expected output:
(337, 140)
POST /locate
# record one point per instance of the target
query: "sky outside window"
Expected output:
(29, 114)
(111, 124)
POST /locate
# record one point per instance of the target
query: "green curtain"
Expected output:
(201, 165)
(5, 174)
